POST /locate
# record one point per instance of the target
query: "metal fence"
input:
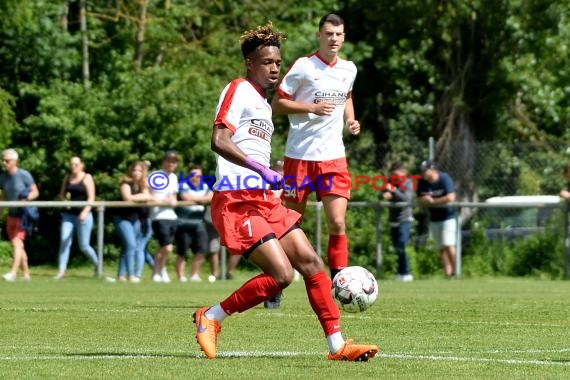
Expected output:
(100, 207)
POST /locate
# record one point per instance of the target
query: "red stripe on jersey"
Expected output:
(226, 103)
(330, 64)
(283, 94)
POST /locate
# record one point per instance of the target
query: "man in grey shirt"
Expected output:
(400, 190)
(16, 185)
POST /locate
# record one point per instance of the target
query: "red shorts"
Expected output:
(324, 177)
(14, 228)
(244, 217)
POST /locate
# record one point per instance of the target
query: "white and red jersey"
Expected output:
(243, 108)
(313, 80)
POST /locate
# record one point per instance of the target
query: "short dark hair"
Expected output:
(171, 155)
(261, 36)
(193, 167)
(397, 166)
(332, 18)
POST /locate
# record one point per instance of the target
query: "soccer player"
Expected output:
(250, 219)
(316, 94)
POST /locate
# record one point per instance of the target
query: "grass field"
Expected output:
(428, 329)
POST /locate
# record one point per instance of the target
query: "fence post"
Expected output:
(223, 257)
(458, 247)
(378, 233)
(100, 233)
(566, 242)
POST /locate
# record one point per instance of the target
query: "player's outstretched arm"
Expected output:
(223, 145)
(284, 106)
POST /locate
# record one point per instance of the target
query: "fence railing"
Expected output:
(99, 207)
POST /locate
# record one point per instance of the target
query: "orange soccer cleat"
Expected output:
(206, 332)
(355, 352)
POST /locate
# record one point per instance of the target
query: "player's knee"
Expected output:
(284, 279)
(337, 226)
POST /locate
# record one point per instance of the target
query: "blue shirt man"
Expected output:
(436, 188)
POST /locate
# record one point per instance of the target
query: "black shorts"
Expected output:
(164, 230)
(192, 237)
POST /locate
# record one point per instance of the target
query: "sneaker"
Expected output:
(404, 278)
(134, 280)
(183, 279)
(26, 278)
(165, 277)
(195, 278)
(156, 277)
(206, 332)
(10, 277)
(59, 276)
(274, 302)
(355, 352)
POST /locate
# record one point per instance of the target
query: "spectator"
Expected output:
(436, 188)
(131, 223)
(15, 183)
(213, 245)
(163, 188)
(146, 228)
(76, 186)
(191, 229)
(316, 93)
(565, 192)
(398, 190)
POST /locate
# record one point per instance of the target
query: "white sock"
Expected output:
(335, 342)
(217, 313)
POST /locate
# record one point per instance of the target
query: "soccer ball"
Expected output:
(354, 289)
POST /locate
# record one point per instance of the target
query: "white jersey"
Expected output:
(313, 80)
(243, 108)
(170, 188)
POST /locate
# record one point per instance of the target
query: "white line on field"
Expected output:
(464, 359)
(271, 354)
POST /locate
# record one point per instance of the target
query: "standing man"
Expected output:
(16, 185)
(436, 188)
(316, 93)
(401, 218)
(251, 221)
(164, 188)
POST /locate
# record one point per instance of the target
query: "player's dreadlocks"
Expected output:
(260, 36)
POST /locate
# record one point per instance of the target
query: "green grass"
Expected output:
(429, 329)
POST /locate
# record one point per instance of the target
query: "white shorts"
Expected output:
(444, 233)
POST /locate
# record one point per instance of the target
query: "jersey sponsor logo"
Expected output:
(330, 96)
(261, 129)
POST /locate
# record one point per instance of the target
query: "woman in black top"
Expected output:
(76, 186)
(131, 223)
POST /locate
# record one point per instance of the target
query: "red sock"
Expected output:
(337, 253)
(319, 293)
(252, 293)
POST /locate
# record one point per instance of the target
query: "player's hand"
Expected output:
(268, 174)
(323, 109)
(387, 195)
(353, 126)
(271, 176)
